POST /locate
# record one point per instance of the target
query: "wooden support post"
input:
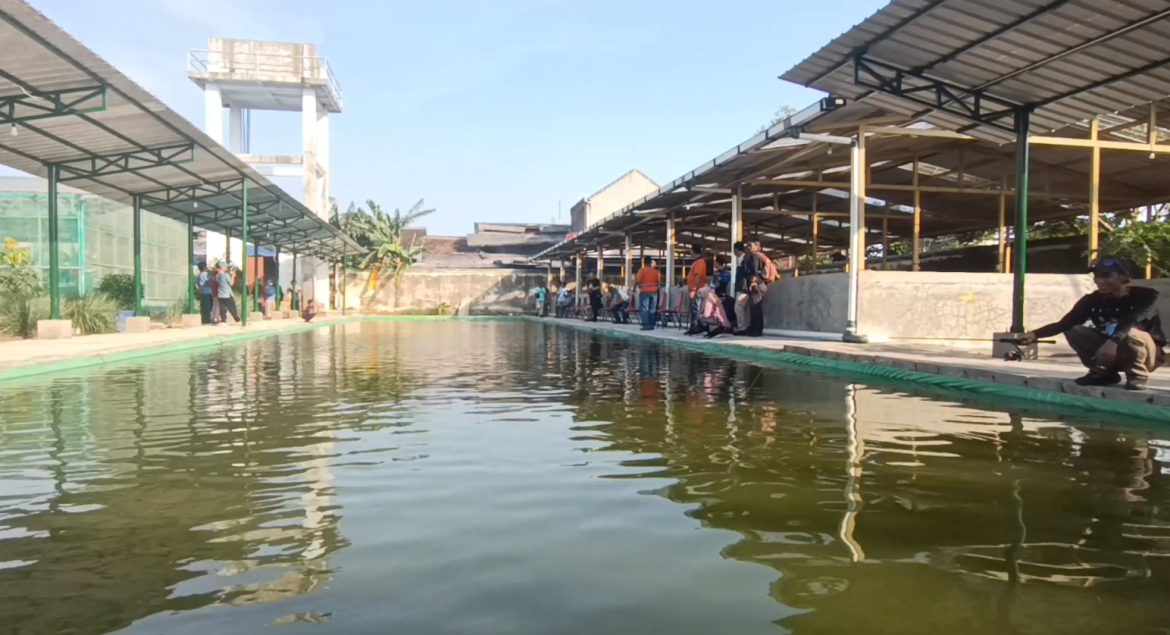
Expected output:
(1094, 193)
(916, 248)
(1002, 231)
(1150, 219)
(885, 241)
(816, 228)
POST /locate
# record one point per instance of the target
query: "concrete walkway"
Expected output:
(51, 354)
(1055, 372)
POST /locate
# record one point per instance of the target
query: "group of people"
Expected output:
(1116, 331)
(714, 307)
(217, 300)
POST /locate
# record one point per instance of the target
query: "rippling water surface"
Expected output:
(520, 478)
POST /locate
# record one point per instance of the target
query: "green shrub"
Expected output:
(175, 311)
(120, 287)
(92, 313)
(20, 312)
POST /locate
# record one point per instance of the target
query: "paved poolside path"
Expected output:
(1054, 372)
(21, 354)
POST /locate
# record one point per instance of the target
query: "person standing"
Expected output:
(541, 300)
(742, 312)
(270, 299)
(203, 285)
(593, 288)
(649, 280)
(696, 282)
(227, 302)
(757, 272)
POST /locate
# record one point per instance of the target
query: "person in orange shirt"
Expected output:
(649, 280)
(696, 281)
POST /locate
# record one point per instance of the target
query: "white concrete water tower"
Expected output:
(245, 75)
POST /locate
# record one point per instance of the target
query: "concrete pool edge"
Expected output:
(982, 389)
(90, 360)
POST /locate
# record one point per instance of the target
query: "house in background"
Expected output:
(630, 187)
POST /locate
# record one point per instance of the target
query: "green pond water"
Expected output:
(523, 478)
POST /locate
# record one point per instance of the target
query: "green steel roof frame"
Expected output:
(84, 89)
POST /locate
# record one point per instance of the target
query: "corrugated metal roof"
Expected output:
(1059, 188)
(38, 58)
(1069, 59)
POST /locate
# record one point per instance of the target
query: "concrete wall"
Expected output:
(808, 303)
(960, 305)
(487, 292)
(926, 304)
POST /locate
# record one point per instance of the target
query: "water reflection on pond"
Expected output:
(523, 478)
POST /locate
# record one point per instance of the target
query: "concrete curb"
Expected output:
(134, 352)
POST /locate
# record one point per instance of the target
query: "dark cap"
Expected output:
(738, 247)
(1113, 264)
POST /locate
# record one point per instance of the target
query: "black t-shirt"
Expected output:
(1113, 317)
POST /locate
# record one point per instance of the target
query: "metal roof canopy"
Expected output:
(682, 190)
(969, 65)
(776, 174)
(107, 136)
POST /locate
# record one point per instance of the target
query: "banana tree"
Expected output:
(384, 234)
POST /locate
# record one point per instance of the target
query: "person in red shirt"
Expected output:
(649, 280)
(696, 281)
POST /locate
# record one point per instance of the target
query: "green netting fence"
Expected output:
(96, 239)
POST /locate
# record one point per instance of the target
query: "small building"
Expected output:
(630, 187)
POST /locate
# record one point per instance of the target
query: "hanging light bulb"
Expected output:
(196, 204)
(13, 131)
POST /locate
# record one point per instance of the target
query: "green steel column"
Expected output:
(54, 248)
(80, 210)
(138, 257)
(296, 299)
(244, 269)
(344, 251)
(190, 264)
(1020, 267)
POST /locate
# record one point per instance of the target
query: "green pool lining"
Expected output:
(984, 391)
(211, 341)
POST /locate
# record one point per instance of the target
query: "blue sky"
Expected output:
(493, 110)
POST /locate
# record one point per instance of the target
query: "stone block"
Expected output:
(54, 329)
(191, 321)
(138, 325)
(999, 349)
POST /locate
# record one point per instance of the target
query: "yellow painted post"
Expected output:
(816, 231)
(885, 240)
(916, 248)
(1094, 193)
(1002, 235)
(1149, 257)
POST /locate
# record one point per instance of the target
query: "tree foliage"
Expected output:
(781, 114)
(1141, 242)
(17, 275)
(384, 235)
